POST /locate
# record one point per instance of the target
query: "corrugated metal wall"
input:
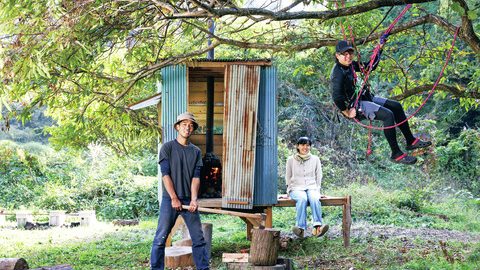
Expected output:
(174, 98)
(266, 167)
(239, 135)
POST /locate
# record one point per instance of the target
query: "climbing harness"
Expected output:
(366, 72)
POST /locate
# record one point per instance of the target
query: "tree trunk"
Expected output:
(56, 267)
(13, 264)
(178, 257)
(264, 247)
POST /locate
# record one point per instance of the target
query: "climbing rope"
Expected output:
(367, 72)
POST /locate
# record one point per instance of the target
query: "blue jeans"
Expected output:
(166, 220)
(302, 199)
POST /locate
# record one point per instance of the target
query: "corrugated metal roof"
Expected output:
(149, 101)
(239, 135)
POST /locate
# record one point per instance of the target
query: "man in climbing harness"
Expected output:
(344, 82)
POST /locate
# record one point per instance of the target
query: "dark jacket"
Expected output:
(343, 84)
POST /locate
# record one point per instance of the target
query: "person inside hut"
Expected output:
(180, 163)
(304, 179)
(344, 83)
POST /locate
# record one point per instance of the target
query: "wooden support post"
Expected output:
(249, 227)
(13, 264)
(269, 218)
(264, 247)
(347, 221)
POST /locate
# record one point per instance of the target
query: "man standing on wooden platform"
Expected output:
(180, 162)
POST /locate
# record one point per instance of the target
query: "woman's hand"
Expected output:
(350, 113)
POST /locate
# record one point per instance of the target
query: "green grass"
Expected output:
(109, 247)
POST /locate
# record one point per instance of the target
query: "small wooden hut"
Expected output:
(234, 102)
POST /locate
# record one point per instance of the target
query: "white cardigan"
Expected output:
(303, 176)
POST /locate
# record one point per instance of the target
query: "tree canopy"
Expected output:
(87, 60)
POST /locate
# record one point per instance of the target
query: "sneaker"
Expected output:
(319, 230)
(418, 144)
(298, 231)
(404, 159)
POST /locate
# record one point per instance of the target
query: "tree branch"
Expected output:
(457, 92)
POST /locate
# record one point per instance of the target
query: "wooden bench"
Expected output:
(345, 202)
(252, 222)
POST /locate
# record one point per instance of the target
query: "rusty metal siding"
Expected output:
(266, 169)
(174, 98)
(239, 135)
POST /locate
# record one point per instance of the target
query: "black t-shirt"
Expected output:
(182, 160)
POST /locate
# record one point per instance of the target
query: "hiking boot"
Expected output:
(404, 159)
(417, 143)
(298, 231)
(319, 230)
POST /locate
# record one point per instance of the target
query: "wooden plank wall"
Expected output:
(197, 104)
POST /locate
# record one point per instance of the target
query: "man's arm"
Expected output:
(195, 187)
(167, 182)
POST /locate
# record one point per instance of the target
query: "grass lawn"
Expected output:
(384, 236)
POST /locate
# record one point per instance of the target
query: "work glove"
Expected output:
(383, 38)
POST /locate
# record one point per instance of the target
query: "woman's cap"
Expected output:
(186, 116)
(304, 140)
(343, 46)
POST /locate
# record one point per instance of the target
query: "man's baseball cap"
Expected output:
(343, 46)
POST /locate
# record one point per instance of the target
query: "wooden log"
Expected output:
(264, 247)
(13, 264)
(56, 267)
(207, 235)
(186, 242)
(125, 222)
(178, 257)
(235, 257)
(249, 266)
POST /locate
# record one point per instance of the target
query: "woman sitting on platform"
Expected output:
(304, 178)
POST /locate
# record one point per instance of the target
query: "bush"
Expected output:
(458, 161)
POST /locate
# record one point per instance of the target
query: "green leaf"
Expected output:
(457, 8)
(472, 14)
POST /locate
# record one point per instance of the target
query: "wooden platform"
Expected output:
(344, 202)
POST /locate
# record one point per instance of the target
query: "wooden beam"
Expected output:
(325, 200)
(223, 64)
(259, 216)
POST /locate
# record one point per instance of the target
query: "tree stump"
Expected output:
(207, 235)
(178, 257)
(13, 264)
(56, 267)
(264, 247)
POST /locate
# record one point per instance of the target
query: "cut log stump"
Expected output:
(178, 257)
(13, 264)
(264, 247)
(56, 267)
